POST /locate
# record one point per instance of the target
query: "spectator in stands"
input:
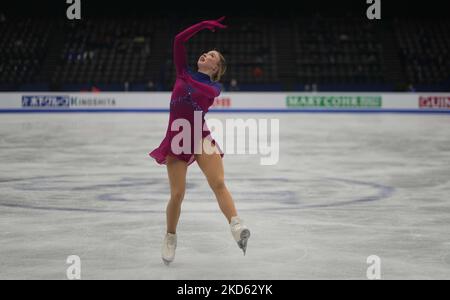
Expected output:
(151, 86)
(344, 37)
(257, 72)
(146, 50)
(93, 89)
(2, 18)
(258, 59)
(18, 43)
(411, 88)
(233, 85)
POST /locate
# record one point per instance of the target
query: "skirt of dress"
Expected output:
(164, 149)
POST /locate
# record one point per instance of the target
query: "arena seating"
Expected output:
(23, 46)
(424, 50)
(129, 53)
(105, 51)
(337, 50)
(247, 47)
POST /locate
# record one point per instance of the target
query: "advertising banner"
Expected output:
(226, 102)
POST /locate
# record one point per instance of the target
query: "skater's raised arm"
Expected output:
(179, 51)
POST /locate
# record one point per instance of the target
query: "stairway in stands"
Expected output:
(161, 42)
(285, 56)
(392, 65)
(53, 55)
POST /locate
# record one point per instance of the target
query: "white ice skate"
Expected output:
(168, 248)
(240, 232)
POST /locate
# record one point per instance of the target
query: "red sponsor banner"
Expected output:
(222, 102)
(441, 102)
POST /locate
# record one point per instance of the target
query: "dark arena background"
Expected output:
(353, 181)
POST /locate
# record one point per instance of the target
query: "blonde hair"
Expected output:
(222, 67)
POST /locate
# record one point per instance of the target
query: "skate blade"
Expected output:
(245, 235)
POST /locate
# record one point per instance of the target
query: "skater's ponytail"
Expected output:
(222, 68)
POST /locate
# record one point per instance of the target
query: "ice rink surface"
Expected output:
(347, 186)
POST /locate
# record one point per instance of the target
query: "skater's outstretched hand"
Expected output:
(179, 51)
(213, 24)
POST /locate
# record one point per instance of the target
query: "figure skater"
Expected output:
(194, 93)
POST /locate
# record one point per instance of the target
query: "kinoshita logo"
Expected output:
(66, 101)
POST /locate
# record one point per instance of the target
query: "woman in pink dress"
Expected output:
(192, 95)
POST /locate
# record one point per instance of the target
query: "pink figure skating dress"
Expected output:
(193, 91)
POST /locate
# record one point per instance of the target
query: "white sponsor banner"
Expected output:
(160, 101)
(256, 100)
(65, 101)
(399, 101)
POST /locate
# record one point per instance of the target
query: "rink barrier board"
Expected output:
(260, 102)
(335, 111)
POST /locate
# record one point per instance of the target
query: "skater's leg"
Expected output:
(176, 170)
(212, 166)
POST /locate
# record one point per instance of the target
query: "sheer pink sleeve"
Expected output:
(179, 51)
